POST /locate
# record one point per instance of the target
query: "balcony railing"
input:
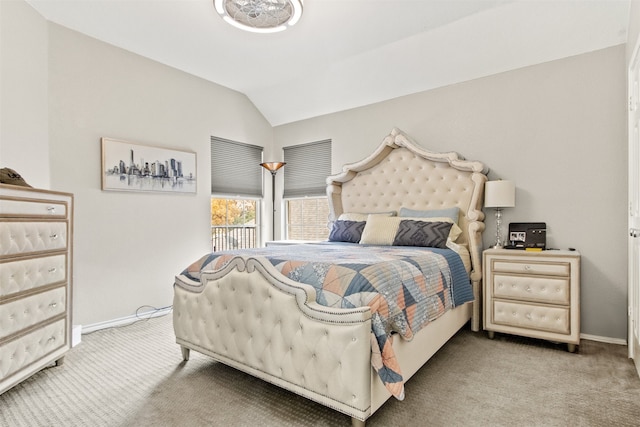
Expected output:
(233, 237)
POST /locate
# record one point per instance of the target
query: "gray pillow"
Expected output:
(420, 233)
(346, 231)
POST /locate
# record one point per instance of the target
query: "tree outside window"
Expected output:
(233, 224)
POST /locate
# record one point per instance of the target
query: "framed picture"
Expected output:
(128, 166)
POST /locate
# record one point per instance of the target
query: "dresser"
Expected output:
(533, 294)
(36, 229)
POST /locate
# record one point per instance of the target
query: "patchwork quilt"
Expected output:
(405, 287)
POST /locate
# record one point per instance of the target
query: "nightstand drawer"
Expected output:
(532, 288)
(540, 317)
(542, 268)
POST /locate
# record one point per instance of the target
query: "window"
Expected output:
(307, 218)
(233, 224)
(305, 191)
(236, 187)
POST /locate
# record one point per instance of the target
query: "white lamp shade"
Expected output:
(499, 194)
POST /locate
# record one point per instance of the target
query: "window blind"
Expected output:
(308, 166)
(235, 168)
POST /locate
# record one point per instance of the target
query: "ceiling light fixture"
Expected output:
(260, 16)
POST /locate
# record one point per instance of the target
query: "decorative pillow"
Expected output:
(452, 213)
(346, 231)
(455, 231)
(422, 233)
(380, 230)
(355, 216)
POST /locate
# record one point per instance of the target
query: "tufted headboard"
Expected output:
(399, 174)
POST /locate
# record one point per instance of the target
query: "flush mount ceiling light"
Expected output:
(260, 16)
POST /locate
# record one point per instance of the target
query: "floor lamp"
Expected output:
(499, 194)
(273, 167)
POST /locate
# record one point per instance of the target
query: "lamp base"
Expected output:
(498, 244)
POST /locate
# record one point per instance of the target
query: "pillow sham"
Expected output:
(346, 231)
(356, 216)
(422, 233)
(452, 213)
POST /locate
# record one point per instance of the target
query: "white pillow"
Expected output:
(380, 230)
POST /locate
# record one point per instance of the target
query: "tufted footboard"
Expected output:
(252, 318)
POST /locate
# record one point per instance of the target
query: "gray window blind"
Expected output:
(235, 168)
(308, 166)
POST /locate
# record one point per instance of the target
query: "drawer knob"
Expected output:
(528, 288)
(528, 316)
(51, 209)
(53, 305)
(527, 267)
(54, 236)
(53, 270)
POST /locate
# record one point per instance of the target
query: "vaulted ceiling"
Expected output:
(348, 53)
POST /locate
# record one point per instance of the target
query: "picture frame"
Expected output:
(129, 166)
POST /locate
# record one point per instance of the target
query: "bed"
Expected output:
(258, 311)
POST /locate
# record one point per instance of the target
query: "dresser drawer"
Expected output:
(24, 237)
(530, 316)
(23, 351)
(20, 314)
(554, 290)
(525, 267)
(23, 275)
(35, 208)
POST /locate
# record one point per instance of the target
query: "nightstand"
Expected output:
(533, 294)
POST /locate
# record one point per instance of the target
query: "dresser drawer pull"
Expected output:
(51, 209)
(54, 236)
(52, 339)
(53, 305)
(528, 288)
(53, 270)
(527, 267)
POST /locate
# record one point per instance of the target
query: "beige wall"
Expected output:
(24, 133)
(633, 32)
(129, 246)
(63, 94)
(557, 129)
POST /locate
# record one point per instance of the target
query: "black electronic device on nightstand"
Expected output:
(527, 235)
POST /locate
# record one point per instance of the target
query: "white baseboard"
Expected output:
(608, 340)
(123, 321)
(76, 335)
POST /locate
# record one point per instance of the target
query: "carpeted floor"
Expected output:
(134, 376)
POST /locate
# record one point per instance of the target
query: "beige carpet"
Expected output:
(134, 376)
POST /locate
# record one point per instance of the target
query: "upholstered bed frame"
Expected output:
(251, 317)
